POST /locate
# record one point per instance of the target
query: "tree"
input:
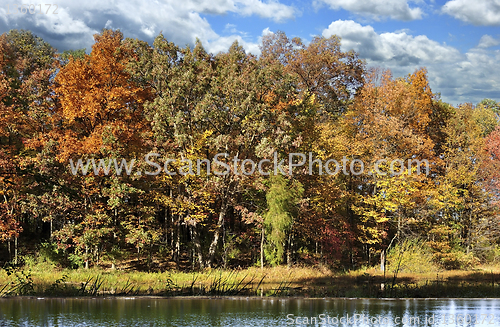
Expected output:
(391, 119)
(206, 105)
(460, 198)
(490, 104)
(282, 201)
(26, 75)
(319, 68)
(99, 116)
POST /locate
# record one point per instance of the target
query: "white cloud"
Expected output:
(231, 28)
(458, 77)
(270, 9)
(224, 42)
(480, 12)
(377, 9)
(180, 21)
(487, 41)
(62, 23)
(266, 31)
(397, 49)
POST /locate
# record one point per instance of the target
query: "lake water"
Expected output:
(109, 312)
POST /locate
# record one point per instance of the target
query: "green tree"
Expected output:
(490, 104)
(283, 199)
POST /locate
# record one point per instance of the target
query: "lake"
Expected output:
(242, 311)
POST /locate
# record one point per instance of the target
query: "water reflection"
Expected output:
(248, 312)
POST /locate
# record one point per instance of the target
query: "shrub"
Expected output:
(448, 252)
(412, 256)
(456, 259)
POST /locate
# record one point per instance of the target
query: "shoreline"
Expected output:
(240, 298)
(278, 282)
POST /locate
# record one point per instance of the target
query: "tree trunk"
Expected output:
(9, 246)
(197, 245)
(165, 226)
(399, 228)
(172, 234)
(469, 233)
(177, 251)
(15, 250)
(289, 251)
(215, 241)
(86, 257)
(172, 224)
(382, 261)
(96, 250)
(262, 249)
(368, 254)
(150, 257)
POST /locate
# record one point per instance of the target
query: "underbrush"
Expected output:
(412, 256)
(412, 271)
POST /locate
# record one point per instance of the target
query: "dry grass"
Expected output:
(277, 281)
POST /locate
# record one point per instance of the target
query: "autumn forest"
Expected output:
(125, 98)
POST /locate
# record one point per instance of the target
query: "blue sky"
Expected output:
(458, 41)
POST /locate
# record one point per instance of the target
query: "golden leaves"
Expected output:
(97, 97)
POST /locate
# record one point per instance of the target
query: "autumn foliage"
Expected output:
(126, 99)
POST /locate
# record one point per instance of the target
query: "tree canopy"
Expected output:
(82, 135)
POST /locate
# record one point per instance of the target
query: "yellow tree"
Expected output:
(460, 199)
(392, 122)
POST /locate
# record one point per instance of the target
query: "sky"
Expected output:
(458, 41)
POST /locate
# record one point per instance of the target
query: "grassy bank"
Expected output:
(278, 281)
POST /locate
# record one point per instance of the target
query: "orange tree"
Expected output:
(98, 115)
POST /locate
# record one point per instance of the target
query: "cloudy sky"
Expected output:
(457, 40)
